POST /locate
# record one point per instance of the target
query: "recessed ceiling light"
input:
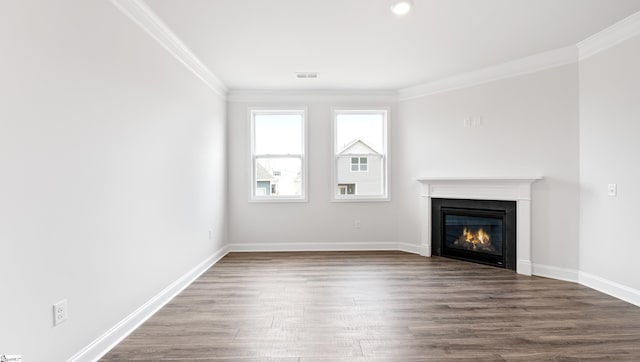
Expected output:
(401, 7)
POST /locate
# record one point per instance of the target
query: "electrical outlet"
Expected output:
(612, 190)
(357, 224)
(60, 312)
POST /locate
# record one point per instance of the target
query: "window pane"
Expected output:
(278, 134)
(360, 152)
(278, 176)
(368, 128)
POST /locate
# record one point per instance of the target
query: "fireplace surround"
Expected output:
(516, 189)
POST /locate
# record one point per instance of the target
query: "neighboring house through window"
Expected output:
(360, 158)
(264, 181)
(278, 157)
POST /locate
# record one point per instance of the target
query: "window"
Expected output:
(278, 157)
(347, 189)
(359, 164)
(360, 155)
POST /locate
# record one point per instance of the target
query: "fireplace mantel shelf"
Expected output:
(483, 188)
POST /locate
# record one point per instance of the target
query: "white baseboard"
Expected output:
(554, 272)
(412, 248)
(103, 344)
(614, 289)
(347, 246)
(524, 267)
(606, 286)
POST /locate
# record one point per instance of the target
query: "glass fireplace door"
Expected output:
(474, 235)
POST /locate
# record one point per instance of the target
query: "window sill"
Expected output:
(277, 200)
(362, 199)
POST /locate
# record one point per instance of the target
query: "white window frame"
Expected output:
(253, 111)
(386, 112)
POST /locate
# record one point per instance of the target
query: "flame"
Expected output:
(479, 238)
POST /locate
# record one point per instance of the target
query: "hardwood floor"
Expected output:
(391, 306)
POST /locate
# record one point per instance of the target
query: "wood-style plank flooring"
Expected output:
(384, 306)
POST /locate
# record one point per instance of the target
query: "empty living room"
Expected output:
(319, 180)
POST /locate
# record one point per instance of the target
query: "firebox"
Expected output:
(481, 231)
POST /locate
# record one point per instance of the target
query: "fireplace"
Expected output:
(481, 231)
(515, 189)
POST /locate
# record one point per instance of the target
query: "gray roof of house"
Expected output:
(262, 173)
(354, 142)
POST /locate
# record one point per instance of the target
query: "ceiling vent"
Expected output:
(306, 75)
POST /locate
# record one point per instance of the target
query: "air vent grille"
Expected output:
(306, 75)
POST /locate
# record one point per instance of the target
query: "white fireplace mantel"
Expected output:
(516, 189)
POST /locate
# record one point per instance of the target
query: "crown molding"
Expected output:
(625, 29)
(530, 64)
(143, 16)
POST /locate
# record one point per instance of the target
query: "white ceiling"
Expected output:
(361, 45)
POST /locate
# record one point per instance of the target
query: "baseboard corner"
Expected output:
(413, 248)
(524, 267)
(554, 272)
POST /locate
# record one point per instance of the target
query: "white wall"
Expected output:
(112, 171)
(609, 151)
(319, 220)
(529, 128)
